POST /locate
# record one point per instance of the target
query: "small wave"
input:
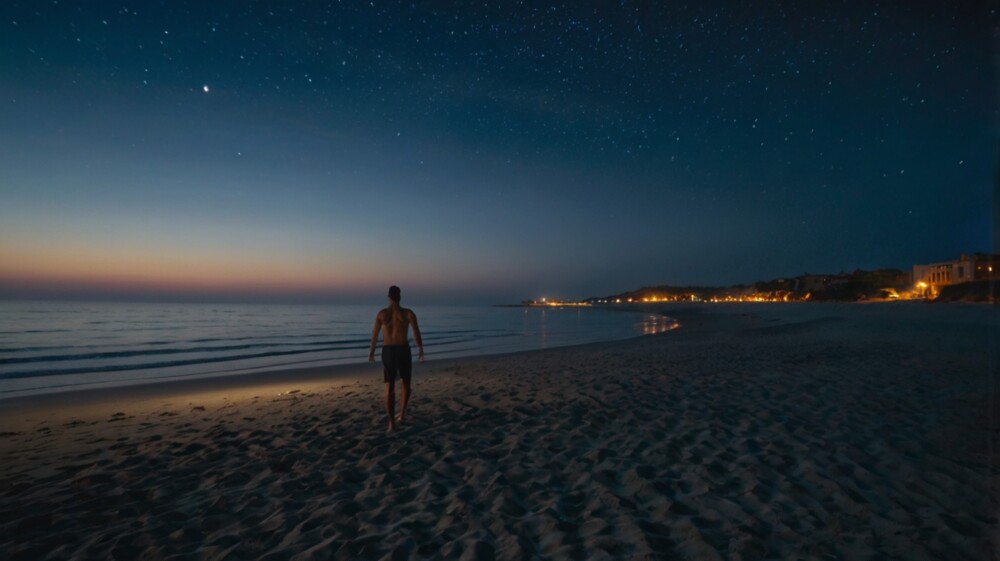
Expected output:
(323, 346)
(154, 365)
(437, 337)
(329, 345)
(248, 338)
(37, 349)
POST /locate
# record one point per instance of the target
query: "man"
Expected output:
(394, 322)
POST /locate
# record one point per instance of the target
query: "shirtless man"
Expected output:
(393, 322)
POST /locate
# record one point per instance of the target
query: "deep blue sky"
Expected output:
(496, 151)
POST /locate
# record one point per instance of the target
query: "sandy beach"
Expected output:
(806, 431)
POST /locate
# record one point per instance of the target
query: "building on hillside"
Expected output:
(811, 283)
(820, 283)
(968, 267)
(889, 278)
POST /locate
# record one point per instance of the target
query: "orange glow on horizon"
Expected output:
(42, 267)
(80, 267)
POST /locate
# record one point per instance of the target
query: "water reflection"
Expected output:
(653, 324)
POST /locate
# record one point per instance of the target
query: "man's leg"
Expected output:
(390, 404)
(405, 398)
(405, 372)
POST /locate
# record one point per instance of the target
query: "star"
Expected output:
(204, 88)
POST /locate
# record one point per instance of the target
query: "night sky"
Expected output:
(484, 151)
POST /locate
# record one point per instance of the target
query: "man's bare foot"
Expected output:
(392, 427)
(399, 419)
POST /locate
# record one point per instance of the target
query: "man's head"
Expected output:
(394, 293)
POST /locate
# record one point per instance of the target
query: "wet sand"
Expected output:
(752, 432)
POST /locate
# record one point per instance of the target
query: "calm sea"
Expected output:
(58, 346)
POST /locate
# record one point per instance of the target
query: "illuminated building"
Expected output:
(968, 267)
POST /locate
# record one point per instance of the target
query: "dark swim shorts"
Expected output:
(396, 358)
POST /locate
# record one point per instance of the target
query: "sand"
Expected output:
(803, 431)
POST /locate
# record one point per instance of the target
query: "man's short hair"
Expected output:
(394, 293)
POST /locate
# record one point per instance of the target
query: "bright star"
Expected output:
(205, 89)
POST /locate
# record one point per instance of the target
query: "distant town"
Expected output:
(969, 278)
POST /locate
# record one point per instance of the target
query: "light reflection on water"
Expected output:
(653, 324)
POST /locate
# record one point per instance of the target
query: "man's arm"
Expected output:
(375, 330)
(416, 334)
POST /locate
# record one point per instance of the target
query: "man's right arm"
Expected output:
(375, 330)
(416, 335)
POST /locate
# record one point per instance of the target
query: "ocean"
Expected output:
(59, 346)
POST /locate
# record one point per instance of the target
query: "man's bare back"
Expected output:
(395, 322)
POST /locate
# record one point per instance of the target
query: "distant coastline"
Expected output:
(882, 285)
